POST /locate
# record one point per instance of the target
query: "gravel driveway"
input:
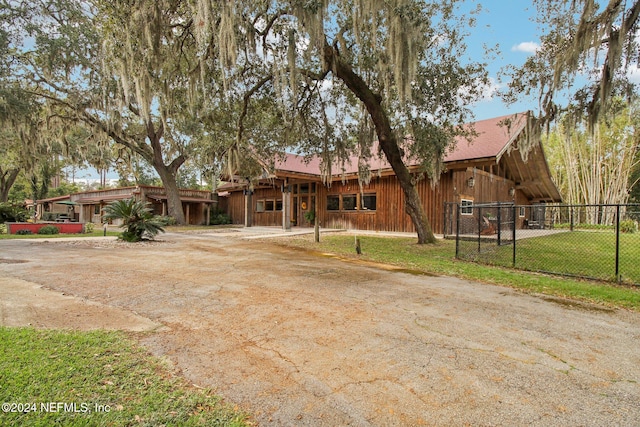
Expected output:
(300, 339)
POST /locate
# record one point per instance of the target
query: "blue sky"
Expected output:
(510, 25)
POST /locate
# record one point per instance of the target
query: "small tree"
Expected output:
(137, 219)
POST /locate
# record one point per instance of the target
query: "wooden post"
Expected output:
(316, 229)
(286, 207)
(248, 206)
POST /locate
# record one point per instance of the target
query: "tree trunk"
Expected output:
(167, 173)
(387, 140)
(174, 205)
(7, 179)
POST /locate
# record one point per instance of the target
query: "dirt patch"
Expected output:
(28, 304)
(301, 339)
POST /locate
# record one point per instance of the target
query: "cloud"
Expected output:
(527, 47)
(633, 73)
(490, 90)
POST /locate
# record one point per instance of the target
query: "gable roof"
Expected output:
(493, 137)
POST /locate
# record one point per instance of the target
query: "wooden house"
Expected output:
(87, 206)
(493, 167)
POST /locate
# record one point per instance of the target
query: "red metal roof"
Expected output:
(493, 136)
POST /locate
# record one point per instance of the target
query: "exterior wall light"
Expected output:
(471, 182)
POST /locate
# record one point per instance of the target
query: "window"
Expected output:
(260, 206)
(96, 209)
(269, 205)
(368, 202)
(278, 205)
(465, 207)
(522, 211)
(333, 203)
(349, 202)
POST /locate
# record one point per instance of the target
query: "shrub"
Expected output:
(24, 232)
(137, 218)
(3, 228)
(628, 226)
(89, 227)
(219, 217)
(12, 213)
(166, 220)
(49, 229)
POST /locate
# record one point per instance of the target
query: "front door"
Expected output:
(304, 203)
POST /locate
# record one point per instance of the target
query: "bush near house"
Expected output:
(12, 213)
(219, 217)
(49, 229)
(137, 218)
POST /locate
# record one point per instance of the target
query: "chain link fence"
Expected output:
(600, 242)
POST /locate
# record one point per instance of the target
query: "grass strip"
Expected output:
(95, 233)
(96, 378)
(439, 259)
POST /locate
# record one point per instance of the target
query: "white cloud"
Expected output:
(487, 92)
(633, 73)
(490, 90)
(527, 47)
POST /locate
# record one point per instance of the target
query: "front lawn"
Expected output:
(440, 259)
(96, 379)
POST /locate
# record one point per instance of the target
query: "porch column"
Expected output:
(164, 208)
(187, 212)
(286, 208)
(248, 208)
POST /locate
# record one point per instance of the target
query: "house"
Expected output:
(494, 167)
(87, 206)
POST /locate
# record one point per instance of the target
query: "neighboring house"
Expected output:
(87, 206)
(492, 168)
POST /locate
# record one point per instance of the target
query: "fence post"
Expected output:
(571, 218)
(444, 220)
(499, 219)
(479, 230)
(457, 231)
(618, 243)
(514, 235)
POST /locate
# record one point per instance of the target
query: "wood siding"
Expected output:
(388, 216)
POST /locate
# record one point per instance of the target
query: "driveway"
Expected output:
(301, 339)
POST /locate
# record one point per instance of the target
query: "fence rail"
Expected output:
(598, 242)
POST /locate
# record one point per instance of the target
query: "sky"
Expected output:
(510, 25)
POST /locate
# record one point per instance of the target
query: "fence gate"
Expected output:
(482, 229)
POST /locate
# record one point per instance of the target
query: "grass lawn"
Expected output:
(103, 378)
(95, 233)
(439, 259)
(579, 253)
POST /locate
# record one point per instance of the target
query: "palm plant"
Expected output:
(137, 219)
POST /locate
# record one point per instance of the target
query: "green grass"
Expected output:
(439, 259)
(95, 233)
(579, 253)
(97, 370)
